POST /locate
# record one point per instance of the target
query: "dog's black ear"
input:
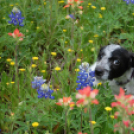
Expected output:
(132, 59)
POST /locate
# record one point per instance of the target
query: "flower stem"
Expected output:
(81, 122)
(65, 129)
(16, 69)
(90, 118)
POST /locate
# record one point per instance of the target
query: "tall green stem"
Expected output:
(16, 69)
(81, 121)
(90, 119)
(65, 129)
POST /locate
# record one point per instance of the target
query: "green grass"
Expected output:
(43, 30)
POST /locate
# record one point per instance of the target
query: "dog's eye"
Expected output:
(116, 62)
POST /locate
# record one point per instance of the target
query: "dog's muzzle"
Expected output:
(99, 72)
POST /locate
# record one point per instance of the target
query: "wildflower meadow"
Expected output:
(46, 50)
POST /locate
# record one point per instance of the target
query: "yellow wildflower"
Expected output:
(0, 57)
(89, 4)
(11, 5)
(35, 124)
(108, 108)
(34, 65)
(12, 82)
(53, 53)
(7, 83)
(96, 35)
(45, 3)
(92, 49)
(94, 7)
(91, 41)
(99, 84)
(37, 28)
(12, 63)
(16, 4)
(72, 104)
(57, 68)
(133, 14)
(32, 22)
(35, 58)
(9, 60)
(69, 50)
(60, 1)
(103, 8)
(77, 70)
(64, 30)
(81, 50)
(112, 116)
(43, 71)
(3, 18)
(100, 15)
(78, 60)
(50, 86)
(66, 42)
(92, 122)
(22, 69)
(104, 31)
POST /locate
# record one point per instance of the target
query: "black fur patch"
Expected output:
(124, 58)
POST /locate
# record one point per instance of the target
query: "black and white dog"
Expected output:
(116, 65)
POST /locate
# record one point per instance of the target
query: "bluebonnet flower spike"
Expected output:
(86, 76)
(16, 17)
(38, 81)
(43, 89)
(129, 1)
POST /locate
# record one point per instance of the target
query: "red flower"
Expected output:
(88, 92)
(95, 101)
(16, 34)
(122, 95)
(81, 133)
(80, 7)
(66, 101)
(66, 6)
(132, 129)
(116, 114)
(86, 96)
(80, 102)
(114, 104)
(126, 123)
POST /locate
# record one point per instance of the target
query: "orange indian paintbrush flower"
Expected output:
(16, 34)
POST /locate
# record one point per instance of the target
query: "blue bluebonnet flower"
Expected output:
(86, 76)
(45, 91)
(16, 17)
(72, 16)
(129, 1)
(38, 81)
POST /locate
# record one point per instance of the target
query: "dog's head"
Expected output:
(113, 61)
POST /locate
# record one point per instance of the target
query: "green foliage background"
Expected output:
(43, 30)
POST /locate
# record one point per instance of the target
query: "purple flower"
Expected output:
(129, 1)
(16, 17)
(45, 91)
(86, 76)
(38, 81)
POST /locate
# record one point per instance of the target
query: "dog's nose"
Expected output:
(99, 72)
